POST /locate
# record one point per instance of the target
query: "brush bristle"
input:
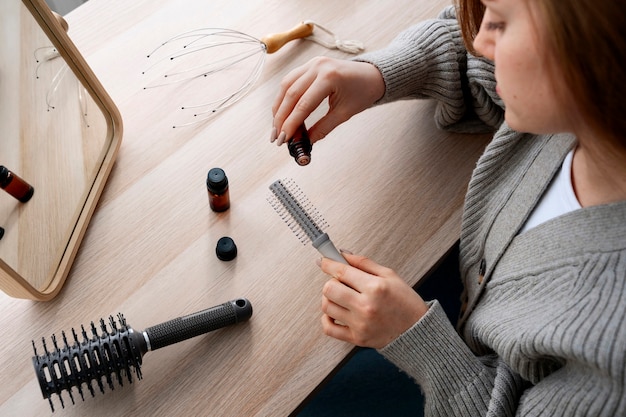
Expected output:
(98, 358)
(296, 210)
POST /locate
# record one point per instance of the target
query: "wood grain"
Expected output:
(389, 183)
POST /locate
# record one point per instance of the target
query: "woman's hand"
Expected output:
(367, 304)
(350, 86)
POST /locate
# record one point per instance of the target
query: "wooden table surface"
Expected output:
(389, 183)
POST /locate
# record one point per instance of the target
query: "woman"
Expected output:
(543, 239)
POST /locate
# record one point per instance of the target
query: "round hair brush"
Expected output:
(117, 351)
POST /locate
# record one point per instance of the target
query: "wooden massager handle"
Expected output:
(274, 41)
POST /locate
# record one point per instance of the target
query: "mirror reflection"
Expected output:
(63, 7)
(53, 136)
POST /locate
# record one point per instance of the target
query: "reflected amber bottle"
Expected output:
(217, 186)
(15, 185)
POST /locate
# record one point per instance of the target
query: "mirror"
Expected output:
(60, 132)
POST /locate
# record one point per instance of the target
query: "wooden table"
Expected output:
(388, 182)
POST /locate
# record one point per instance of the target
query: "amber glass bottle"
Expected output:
(15, 185)
(300, 146)
(217, 186)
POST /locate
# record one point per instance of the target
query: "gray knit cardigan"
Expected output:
(543, 329)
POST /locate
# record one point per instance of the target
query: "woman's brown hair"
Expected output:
(587, 41)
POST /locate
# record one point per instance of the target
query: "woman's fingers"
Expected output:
(333, 329)
(358, 274)
(366, 264)
(285, 84)
(300, 94)
(370, 300)
(333, 303)
(349, 86)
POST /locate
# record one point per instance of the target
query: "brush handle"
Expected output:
(113, 353)
(325, 246)
(273, 42)
(186, 327)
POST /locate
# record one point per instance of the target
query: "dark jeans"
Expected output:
(369, 385)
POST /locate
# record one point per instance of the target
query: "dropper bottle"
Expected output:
(217, 187)
(300, 146)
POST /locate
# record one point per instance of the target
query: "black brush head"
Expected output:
(112, 353)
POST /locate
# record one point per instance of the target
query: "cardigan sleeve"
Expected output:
(429, 60)
(454, 380)
(450, 375)
(548, 337)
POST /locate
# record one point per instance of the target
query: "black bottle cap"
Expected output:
(1, 232)
(226, 249)
(4, 176)
(216, 181)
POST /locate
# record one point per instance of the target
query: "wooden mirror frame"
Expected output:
(11, 282)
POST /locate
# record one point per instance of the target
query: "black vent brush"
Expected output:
(116, 352)
(302, 217)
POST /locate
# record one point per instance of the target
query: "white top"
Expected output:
(558, 199)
